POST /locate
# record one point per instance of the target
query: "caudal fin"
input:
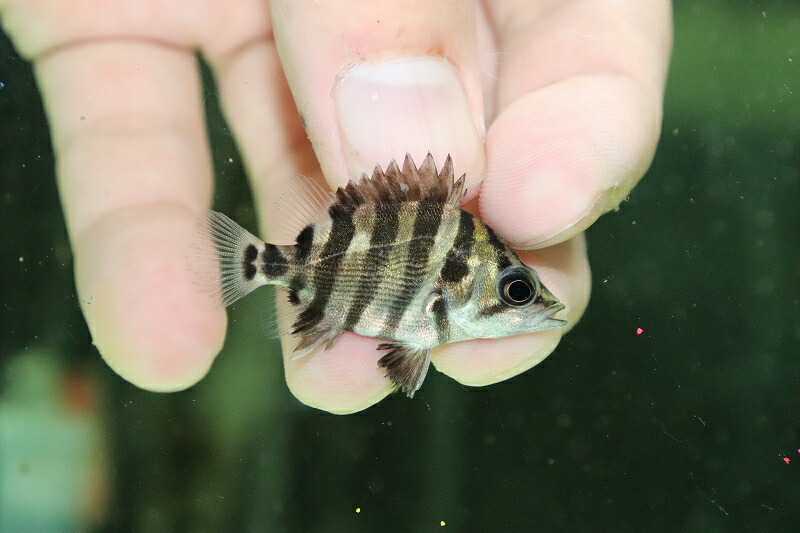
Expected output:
(227, 259)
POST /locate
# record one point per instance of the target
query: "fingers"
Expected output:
(408, 72)
(133, 172)
(122, 93)
(346, 378)
(579, 111)
(374, 80)
(263, 117)
(271, 137)
(343, 379)
(564, 269)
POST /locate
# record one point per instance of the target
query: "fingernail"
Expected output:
(411, 105)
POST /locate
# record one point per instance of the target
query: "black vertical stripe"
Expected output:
(384, 232)
(304, 241)
(440, 319)
(297, 284)
(455, 266)
(327, 270)
(250, 254)
(493, 309)
(426, 227)
(500, 248)
(275, 264)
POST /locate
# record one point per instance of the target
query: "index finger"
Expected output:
(133, 173)
(122, 93)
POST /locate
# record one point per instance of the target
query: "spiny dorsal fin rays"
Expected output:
(427, 171)
(446, 174)
(410, 169)
(410, 184)
(457, 191)
(351, 194)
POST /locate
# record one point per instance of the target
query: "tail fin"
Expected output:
(231, 262)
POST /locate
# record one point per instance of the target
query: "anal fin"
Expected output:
(406, 365)
(312, 339)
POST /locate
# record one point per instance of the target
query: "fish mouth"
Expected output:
(548, 313)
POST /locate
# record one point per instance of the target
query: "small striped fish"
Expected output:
(395, 257)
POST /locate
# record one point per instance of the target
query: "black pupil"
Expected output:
(518, 291)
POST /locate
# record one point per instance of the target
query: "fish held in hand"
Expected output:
(390, 256)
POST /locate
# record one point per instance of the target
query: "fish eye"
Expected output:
(516, 287)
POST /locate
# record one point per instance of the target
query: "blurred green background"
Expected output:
(692, 425)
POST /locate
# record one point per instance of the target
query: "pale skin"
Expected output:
(564, 98)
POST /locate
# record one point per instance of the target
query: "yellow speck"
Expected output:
(442, 523)
(358, 509)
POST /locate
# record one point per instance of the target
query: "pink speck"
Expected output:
(787, 460)
(639, 331)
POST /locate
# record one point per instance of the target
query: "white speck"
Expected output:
(230, 160)
(374, 97)
(21, 259)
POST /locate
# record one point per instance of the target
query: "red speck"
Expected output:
(639, 331)
(79, 392)
(787, 460)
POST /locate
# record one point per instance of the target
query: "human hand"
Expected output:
(571, 92)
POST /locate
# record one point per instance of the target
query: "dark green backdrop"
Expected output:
(682, 428)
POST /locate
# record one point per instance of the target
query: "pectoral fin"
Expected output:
(406, 365)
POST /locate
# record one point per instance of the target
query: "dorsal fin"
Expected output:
(410, 184)
(299, 201)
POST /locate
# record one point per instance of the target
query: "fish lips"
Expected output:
(547, 321)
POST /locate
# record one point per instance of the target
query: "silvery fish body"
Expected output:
(395, 257)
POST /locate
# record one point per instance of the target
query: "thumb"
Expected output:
(376, 80)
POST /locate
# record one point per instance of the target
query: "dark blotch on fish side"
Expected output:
(385, 231)
(250, 254)
(493, 309)
(294, 298)
(426, 227)
(342, 231)
(454, 270)
(503, 261)
(297, 284)
(304, 240)
(439, 310)
(455, 267)
(275, 264)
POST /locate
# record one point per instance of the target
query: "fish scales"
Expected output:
(395, 257)
(384, 232)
